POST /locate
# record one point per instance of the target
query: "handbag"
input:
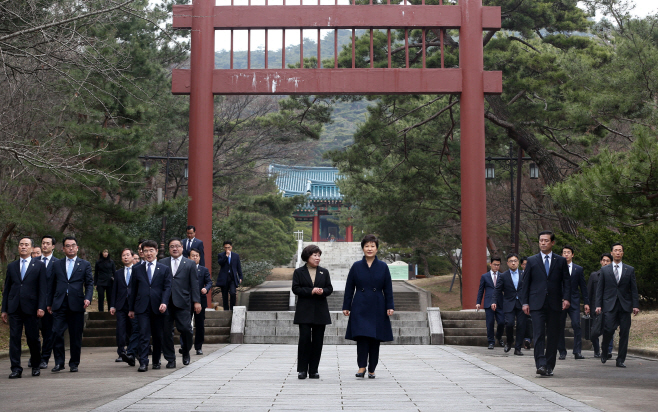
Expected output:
(596, 329)
(586, 325)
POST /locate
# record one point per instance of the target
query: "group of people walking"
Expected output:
(538, 293)
(147, 296)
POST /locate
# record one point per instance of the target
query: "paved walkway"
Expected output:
(409, 378)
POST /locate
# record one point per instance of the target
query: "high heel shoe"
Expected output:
(360, 374)
(371, 375)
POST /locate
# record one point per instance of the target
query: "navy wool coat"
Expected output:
(368, 295)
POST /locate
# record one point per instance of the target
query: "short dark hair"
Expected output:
(608, 255)
(140, 241)
(547, 232)
(135, 253)
(368, 239)
(28, 238)
(127, 248)
(494, 258)
(523, 259)
(150, 243)
(70, 238)
(190, 227)
(511, 255)
(616, 244)
(227, 242)
(568, 247)
(49, 237)
(174, 239)
(195, 250)
(309, 251)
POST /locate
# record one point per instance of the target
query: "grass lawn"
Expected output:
(439, 286)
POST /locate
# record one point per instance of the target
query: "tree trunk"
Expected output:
(550, 172)
(3, 241)
(426, 265)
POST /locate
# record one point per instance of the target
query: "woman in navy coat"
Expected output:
(369, 303)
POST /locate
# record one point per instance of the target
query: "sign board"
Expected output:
(399, 272)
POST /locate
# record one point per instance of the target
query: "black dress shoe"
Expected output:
(604, 358)
(371, 375)
(43, 365)
(526, 344)
(578, 356)
(186, 359)
(500, 342)
(518, 352)
(314, 375)
(16, 375)
(620, 364)
(180, 350)
(143, 368)
(507, 348)
(150, 350)
(542, 371)
(131, 360)
(29, 363)
(562, 356)
(120, 358)
(36, 371)
(156, 366)
(301, 375)
(491, 346)
(58, 368)
(549, 372)
(74, 368)
(597, 354)
(360, 374)
(199, 352)
(171, 364)
(609, 355)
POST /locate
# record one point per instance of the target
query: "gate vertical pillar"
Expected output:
(315, 234)
(473, 190)
(202, 65)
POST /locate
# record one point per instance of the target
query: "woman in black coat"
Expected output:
(312, 285)
(369, 304)
(103, 278)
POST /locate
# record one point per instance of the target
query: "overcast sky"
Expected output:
(223, 38)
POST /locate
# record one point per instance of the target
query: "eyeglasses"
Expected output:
(175, 247)
(70, 246)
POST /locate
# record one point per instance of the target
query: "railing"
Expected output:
(299, 235)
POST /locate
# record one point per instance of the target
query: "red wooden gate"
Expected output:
(202, 81)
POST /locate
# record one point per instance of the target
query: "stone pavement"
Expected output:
(409, 378)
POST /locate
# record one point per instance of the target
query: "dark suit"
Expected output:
(126, 327)
(145, 300)
(507, 298)
(205, 281)
(67, 301)
(229, 277)
(311, 314)
(578, 286)
(21, 300)
(196, 244)
(488, 289)
(544, 294)
(46, 322)
(617, 301)
(184, 293)
(592, 284)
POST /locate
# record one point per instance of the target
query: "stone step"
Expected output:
(100, 332)
(483, 332)
(100, 316)
(110, 323)
(334, 340)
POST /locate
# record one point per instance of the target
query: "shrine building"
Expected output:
(323, 198)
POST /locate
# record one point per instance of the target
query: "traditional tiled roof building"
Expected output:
(323, 198)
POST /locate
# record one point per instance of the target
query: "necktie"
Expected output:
(495, 277)
(23, 269)
(127, 276)
(515, 279)
(229, 259)
(175, 266)
(45, 260)
(547, 265)
(69, 270)
(617, 273)
(148, 271)
(189, 244)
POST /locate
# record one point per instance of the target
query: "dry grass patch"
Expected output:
(644, 330)
(439, 286)
(281, 274)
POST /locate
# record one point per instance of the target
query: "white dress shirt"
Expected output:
(175, 263)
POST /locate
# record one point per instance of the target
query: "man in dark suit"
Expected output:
(616, 298)
(230, 274)
(193, 243)
(592, 284)
(577, 275)
(205, 283)
(120, 308)
(488, 283)
(527, 341)
(184, 294)
(23, 302)
(507, 297)
(150, 291)
(545, 293)
(46, 322)
(67, 302)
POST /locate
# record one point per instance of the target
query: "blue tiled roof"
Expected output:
(299, 180)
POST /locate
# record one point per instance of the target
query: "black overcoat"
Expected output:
(311, 308)
(368, 295)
